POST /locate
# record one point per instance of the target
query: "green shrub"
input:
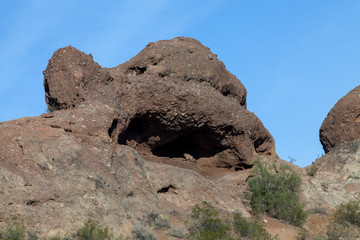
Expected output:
(337, 231)
(345, 224)
(17, 231)
(248, 228)
(157, 220)
(52, 107)
(142, 233)
(348, 213)
(93, 231)
(303, 234)
(14, 231)
(311, 171)
(205, 224)
(276, 193)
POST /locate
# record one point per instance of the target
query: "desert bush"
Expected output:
(348, 213)
(177, 233)
(311, 171)
(142, 233)
(13, 231)
(92, 230)
(276, 193)
(337, 231)
(346, 222)
(318, 210)
(250, 229)
(205, 224)
(303, 234)
(157, 220)
(17, 231)
(52, 107)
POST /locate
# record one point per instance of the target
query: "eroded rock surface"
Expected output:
(342, 123)
(54, 176)
(336, 181)
(174, 102)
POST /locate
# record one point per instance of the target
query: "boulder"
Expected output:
(172, 102)
(342, 123)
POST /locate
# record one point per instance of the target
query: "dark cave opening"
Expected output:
(197, 144)
(166, 142)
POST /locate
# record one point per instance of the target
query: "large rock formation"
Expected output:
(342, 123)
(173, 102)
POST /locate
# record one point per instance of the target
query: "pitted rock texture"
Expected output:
(342, 123)
(337, 179)
(55, 174)
(174, 102)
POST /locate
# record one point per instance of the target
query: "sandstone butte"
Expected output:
(159, 133)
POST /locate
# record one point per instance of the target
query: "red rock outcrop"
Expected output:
(173, 103)
(174, 99)
(342, 123)
(56, 172)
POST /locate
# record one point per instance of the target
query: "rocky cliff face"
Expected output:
(55, 178)
(138, 145)
(154, 135)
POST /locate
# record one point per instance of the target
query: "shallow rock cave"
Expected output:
(165, 141)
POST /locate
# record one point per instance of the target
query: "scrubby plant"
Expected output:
(13, 231)
(312, 170)
(92, 230)
(345, 224)
(205, 224)
(157, 220)
(275, 191)
(336, 231)
(250, 229)
(177, 233)
(17, 231)
(303, 234)
(318, 210)
(141, 233)
(348, 213)
(52, 107)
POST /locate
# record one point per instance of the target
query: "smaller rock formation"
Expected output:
(342, 123)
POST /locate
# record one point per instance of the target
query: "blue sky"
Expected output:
(296, 58)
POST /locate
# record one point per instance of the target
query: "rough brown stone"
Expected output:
(174, 99)
(342, 123)
(55, 175)
(175, 103)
